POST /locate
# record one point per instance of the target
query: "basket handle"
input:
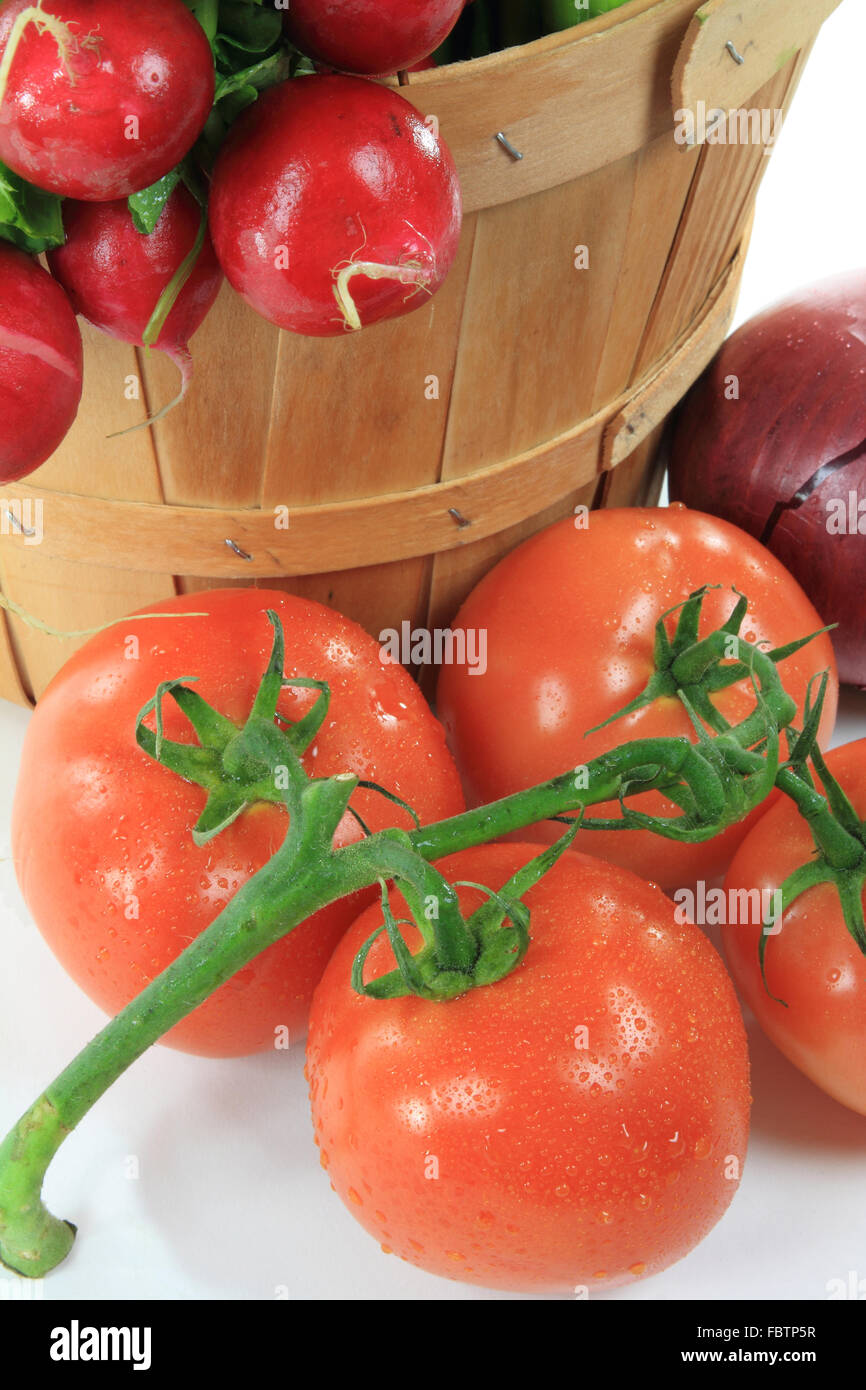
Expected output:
(733, 47)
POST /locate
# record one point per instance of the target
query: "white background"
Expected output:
(231, 1202)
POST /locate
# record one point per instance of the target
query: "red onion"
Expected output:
(773, 438)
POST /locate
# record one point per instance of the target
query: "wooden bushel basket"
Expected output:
(385, 471)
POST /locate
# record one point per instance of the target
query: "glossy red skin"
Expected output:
(69, 137)
(40, 364)
(370, 37)
(331, 169)
(114, 275)
(97, 825)
(801, 367)
(570, 618)
(559, 1165)
(813, 963)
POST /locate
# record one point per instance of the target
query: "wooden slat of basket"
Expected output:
(369, 592)
(660, 189)
(632, 484)
(206, 449)
(648, 406)
(11, 686)
(607, 208)
(722, 192)
(64, 593)
(786, 82)
(367, 416)
(366, 422)
(70, 596)
(594, 83)
(88, 461)
(637, 480)
(523, 275)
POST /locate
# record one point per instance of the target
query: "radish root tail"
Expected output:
(182, 359)
(409, 273)
(68, 43)
(10, 606)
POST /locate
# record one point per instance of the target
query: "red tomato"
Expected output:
(570, 618)
(101, 833)
(812, 963)
(581, 1123)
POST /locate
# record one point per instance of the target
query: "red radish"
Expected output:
(99, 99)
(370, 37)
(40, 364)
(334, 205)
(116, 276)
(773, 439)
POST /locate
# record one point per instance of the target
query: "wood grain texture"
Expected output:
(534, 321)
(719, 206)
(63, 589)
(458, 511)
(648, 406)
(212, 449)
(572, 102)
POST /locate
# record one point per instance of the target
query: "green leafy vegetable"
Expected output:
(146, 207)
(29, 218)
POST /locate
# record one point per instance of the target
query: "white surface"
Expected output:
(231, 1201)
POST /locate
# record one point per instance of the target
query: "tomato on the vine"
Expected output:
(813, 1004)
(102, 834)
(570, 619)
(580, 1123)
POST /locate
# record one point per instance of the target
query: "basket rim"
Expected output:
(548, 43)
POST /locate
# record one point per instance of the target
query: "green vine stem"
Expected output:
(715, 781)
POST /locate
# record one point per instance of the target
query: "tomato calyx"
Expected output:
(459, 953)
(226, 761)
(837, 830)
(732, 767)
(694, 669)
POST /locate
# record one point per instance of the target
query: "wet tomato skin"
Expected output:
(569, 618)
(101, 833)
(580, 1124)
(814, 967)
